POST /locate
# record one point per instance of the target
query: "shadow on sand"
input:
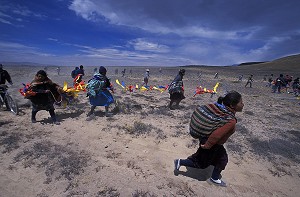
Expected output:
(196, 173)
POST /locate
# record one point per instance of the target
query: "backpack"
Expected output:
(175, 86)
(95, 85)
(207, 118)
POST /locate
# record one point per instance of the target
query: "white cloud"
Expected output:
(5, 21)
(20, 49)
(53, 39)
(143, 45)
(85, 9)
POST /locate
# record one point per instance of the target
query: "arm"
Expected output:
(222, 133)
(8, 78)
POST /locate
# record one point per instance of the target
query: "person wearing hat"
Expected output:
(146, 77)
(46, 94)
(98, 92)
(4, 76)
(176, 89)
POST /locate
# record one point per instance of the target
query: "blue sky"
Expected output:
(148, 32)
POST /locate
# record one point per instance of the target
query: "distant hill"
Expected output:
(24, 64)
(249, 63)
(289, 63)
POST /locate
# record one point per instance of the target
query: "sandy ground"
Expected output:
(132, 152)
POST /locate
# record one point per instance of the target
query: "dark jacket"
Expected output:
(43, 100)
(4, 76)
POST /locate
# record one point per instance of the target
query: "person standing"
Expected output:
(211, 150)
(81, 70)
(123, 72)
(146, 77)
(216, 76)
(4, 76)
(58, 70)
(74, 72)
(46, 94)
(241, 77)
(249, 81)
(296, 86)
(176, 89)
(270, 80)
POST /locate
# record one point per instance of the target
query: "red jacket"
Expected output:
(221, 135)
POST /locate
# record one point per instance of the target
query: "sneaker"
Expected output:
(218, 182)
(177, 164)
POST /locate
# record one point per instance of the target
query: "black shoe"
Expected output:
(33, 120)
(90, 113)
(56, 123)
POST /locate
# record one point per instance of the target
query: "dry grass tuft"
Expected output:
(59, 161)
(10, 141)
(141, 193)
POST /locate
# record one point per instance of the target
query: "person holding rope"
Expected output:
(46, 93)
(98, 92)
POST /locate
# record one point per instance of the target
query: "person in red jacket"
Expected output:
(211, 150)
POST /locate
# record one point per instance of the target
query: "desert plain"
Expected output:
(131, 153)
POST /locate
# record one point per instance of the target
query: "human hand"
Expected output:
(203, 146)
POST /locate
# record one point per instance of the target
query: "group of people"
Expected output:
(277, 84)
(77, 71)
(287, 82)
(211, 150)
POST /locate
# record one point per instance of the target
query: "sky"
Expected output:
(148, 32)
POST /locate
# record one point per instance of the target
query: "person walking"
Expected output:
(249, 81)
(279, 83)
(176, 90)
(211, 150)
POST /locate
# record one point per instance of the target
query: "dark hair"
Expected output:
(182, 71)
(231, 99)
(102, 70)
(42, 72)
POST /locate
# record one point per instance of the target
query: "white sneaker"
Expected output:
(218, 182)
(177, 164)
